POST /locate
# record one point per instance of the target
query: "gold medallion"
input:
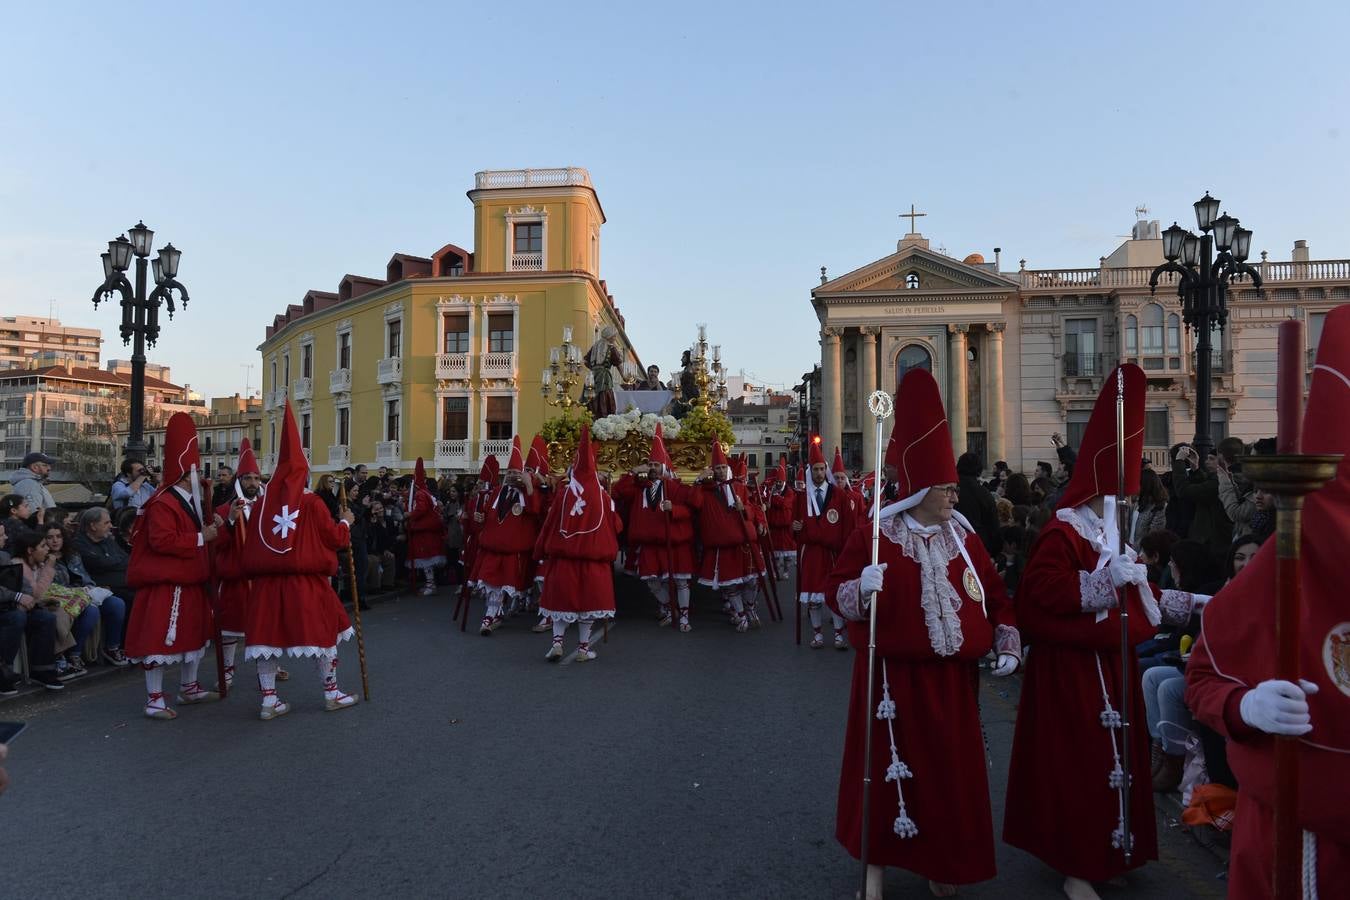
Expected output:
(832, 516)
(972, 585)
(1336, 656)
(517, 510)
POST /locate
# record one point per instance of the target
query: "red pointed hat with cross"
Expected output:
(1096, 474)
(516, 463)
(537, 460)
(658, 452)
(817, 456)
(248, 463)
(273, 527)
(921, 444)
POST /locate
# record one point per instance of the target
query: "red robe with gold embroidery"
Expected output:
(928, 648)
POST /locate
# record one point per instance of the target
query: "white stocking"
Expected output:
(734, 598)
(494, 603)
(430, 576)
(228, 646)
(188, 673)
(583, 634)
(813, 613)
(154, 684)
(559, 629)
(327, 666)
(682, 593)
(267, 680)
(838, 623)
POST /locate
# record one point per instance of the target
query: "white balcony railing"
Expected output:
(527, 262)
(340, 381)
(387, 452)
(498, 448)
(452, 365)
(269, 463)
(498, 365)
(519, 178)
(452, 454)
(302, 388)
(339, 455)
(389, 370)
(276, 399)
(308, 458)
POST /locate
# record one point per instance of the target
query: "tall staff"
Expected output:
(880, 405)
(211, 593)
(1126, 651)
(356, 602)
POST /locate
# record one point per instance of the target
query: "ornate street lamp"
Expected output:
(1202, 286)
(140, 312)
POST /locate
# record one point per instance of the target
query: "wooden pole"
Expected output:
(356, 601)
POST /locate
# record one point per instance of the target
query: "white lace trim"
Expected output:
(808, 597)
(849, 600)
(1095, 591)
(591, 615)
(1176, 607)
(939, 599)
(262, 651)
(167, 659)
(429, 563)
(1007, 639)
(678, 576)
(1090, 531)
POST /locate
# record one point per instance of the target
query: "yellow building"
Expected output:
(443, 357)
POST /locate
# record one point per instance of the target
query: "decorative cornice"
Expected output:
(511, 300)
(343, 324)
(996, 327)
(307, 337)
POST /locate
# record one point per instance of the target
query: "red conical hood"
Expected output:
(658, 452)
(583, 465)
(1326, 418)
(420, 475)
(739, 467)
(719, 456)
(180, 449)
(1095, 473)
(274, 523)
(537, 460)
(922, 444)
(248, 463)
(491, 468)
(817, 457)
(838, 468)
(516, 463)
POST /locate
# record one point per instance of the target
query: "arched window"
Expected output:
(912, 281)
(1174, 341)
(912, 357)
(1151, 336)
(1131, 336)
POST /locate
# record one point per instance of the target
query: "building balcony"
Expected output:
(1156, 459)
(340, 381)
(452, 454)
(276, 399)
(522, 178)
(339, 456)
(1220, 362)
(527, 262)
(452, 366)
(389, 370)
(302, 389)
(1083, 364)
(268, 463)
(387, 453)
(498, 448)
(497, 365)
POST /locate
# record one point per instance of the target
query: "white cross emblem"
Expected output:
(285, 523)
(577, 507)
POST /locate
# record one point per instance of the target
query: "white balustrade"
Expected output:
(302, 388)
(389, 370)
(519, 178)
(269, 463)
(498, 365)
(452, 366)
(387, 452)
(340, 381)
(339, 456)
(452, 454)
(527, 262)
(498, 448)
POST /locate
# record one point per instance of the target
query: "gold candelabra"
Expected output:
(563, 372)
(709, 374)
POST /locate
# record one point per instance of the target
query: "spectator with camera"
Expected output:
(1197, 480)
(133, 486)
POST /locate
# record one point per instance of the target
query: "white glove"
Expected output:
(1124, 572)
(1006, 665)
(1278, 707)
(871, 580)
(1200, 601)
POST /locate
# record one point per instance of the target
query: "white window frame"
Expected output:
(337, 424)
(499, 304)
(307, 344)
(526, 215)
(344, 328)
(482, 412)
(441, 397)
(385, 429)
(453, 305)
(394, 313)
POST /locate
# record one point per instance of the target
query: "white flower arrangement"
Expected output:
(621, 425)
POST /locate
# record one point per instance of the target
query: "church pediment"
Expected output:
(897, 273)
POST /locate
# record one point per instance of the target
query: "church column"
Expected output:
(956, 394)
(832, 395)
(868, 384)
(994, 406)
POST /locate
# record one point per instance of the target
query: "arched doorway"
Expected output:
(912, 356)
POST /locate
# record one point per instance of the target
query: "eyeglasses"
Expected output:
(949, 489)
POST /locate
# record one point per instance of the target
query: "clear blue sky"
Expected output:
(735, 149)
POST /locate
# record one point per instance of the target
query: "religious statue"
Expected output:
(604, 354)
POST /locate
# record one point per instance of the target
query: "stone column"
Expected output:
(994, 389)
(956, 382)
(832, 394)
(867, 384)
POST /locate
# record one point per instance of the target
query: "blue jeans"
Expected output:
(85, 624)
(40, 627)
(1169, 721)
(114, 614)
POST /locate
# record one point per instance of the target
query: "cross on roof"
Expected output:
(912, 215)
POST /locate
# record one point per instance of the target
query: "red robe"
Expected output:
(506, 541)
(727, 534)
(779, 513)
(821, 538)
(232, 588)
(1062, 754)
(168, 560)
(650, 530)
(293, 608)
(579, 579)
(937, 721)
(426, 532)
(1237, 650)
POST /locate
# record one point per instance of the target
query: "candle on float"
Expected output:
(567, 334)
(1289, 387)
(717, 352)
(702, 332)
(547, 377)
(554, 354)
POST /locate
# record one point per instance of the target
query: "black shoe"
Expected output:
(9, 686)
(48, 680)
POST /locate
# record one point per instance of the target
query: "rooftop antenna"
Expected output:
(1141, 212)
(248, 374)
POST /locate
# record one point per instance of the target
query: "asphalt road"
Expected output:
(698, 765)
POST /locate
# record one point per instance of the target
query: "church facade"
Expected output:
(1022, 355)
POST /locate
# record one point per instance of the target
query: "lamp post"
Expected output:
(140, 312)
(1202, 285)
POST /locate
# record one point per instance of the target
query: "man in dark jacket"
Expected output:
(103, 558)
(1199, 484)
(977, 504)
